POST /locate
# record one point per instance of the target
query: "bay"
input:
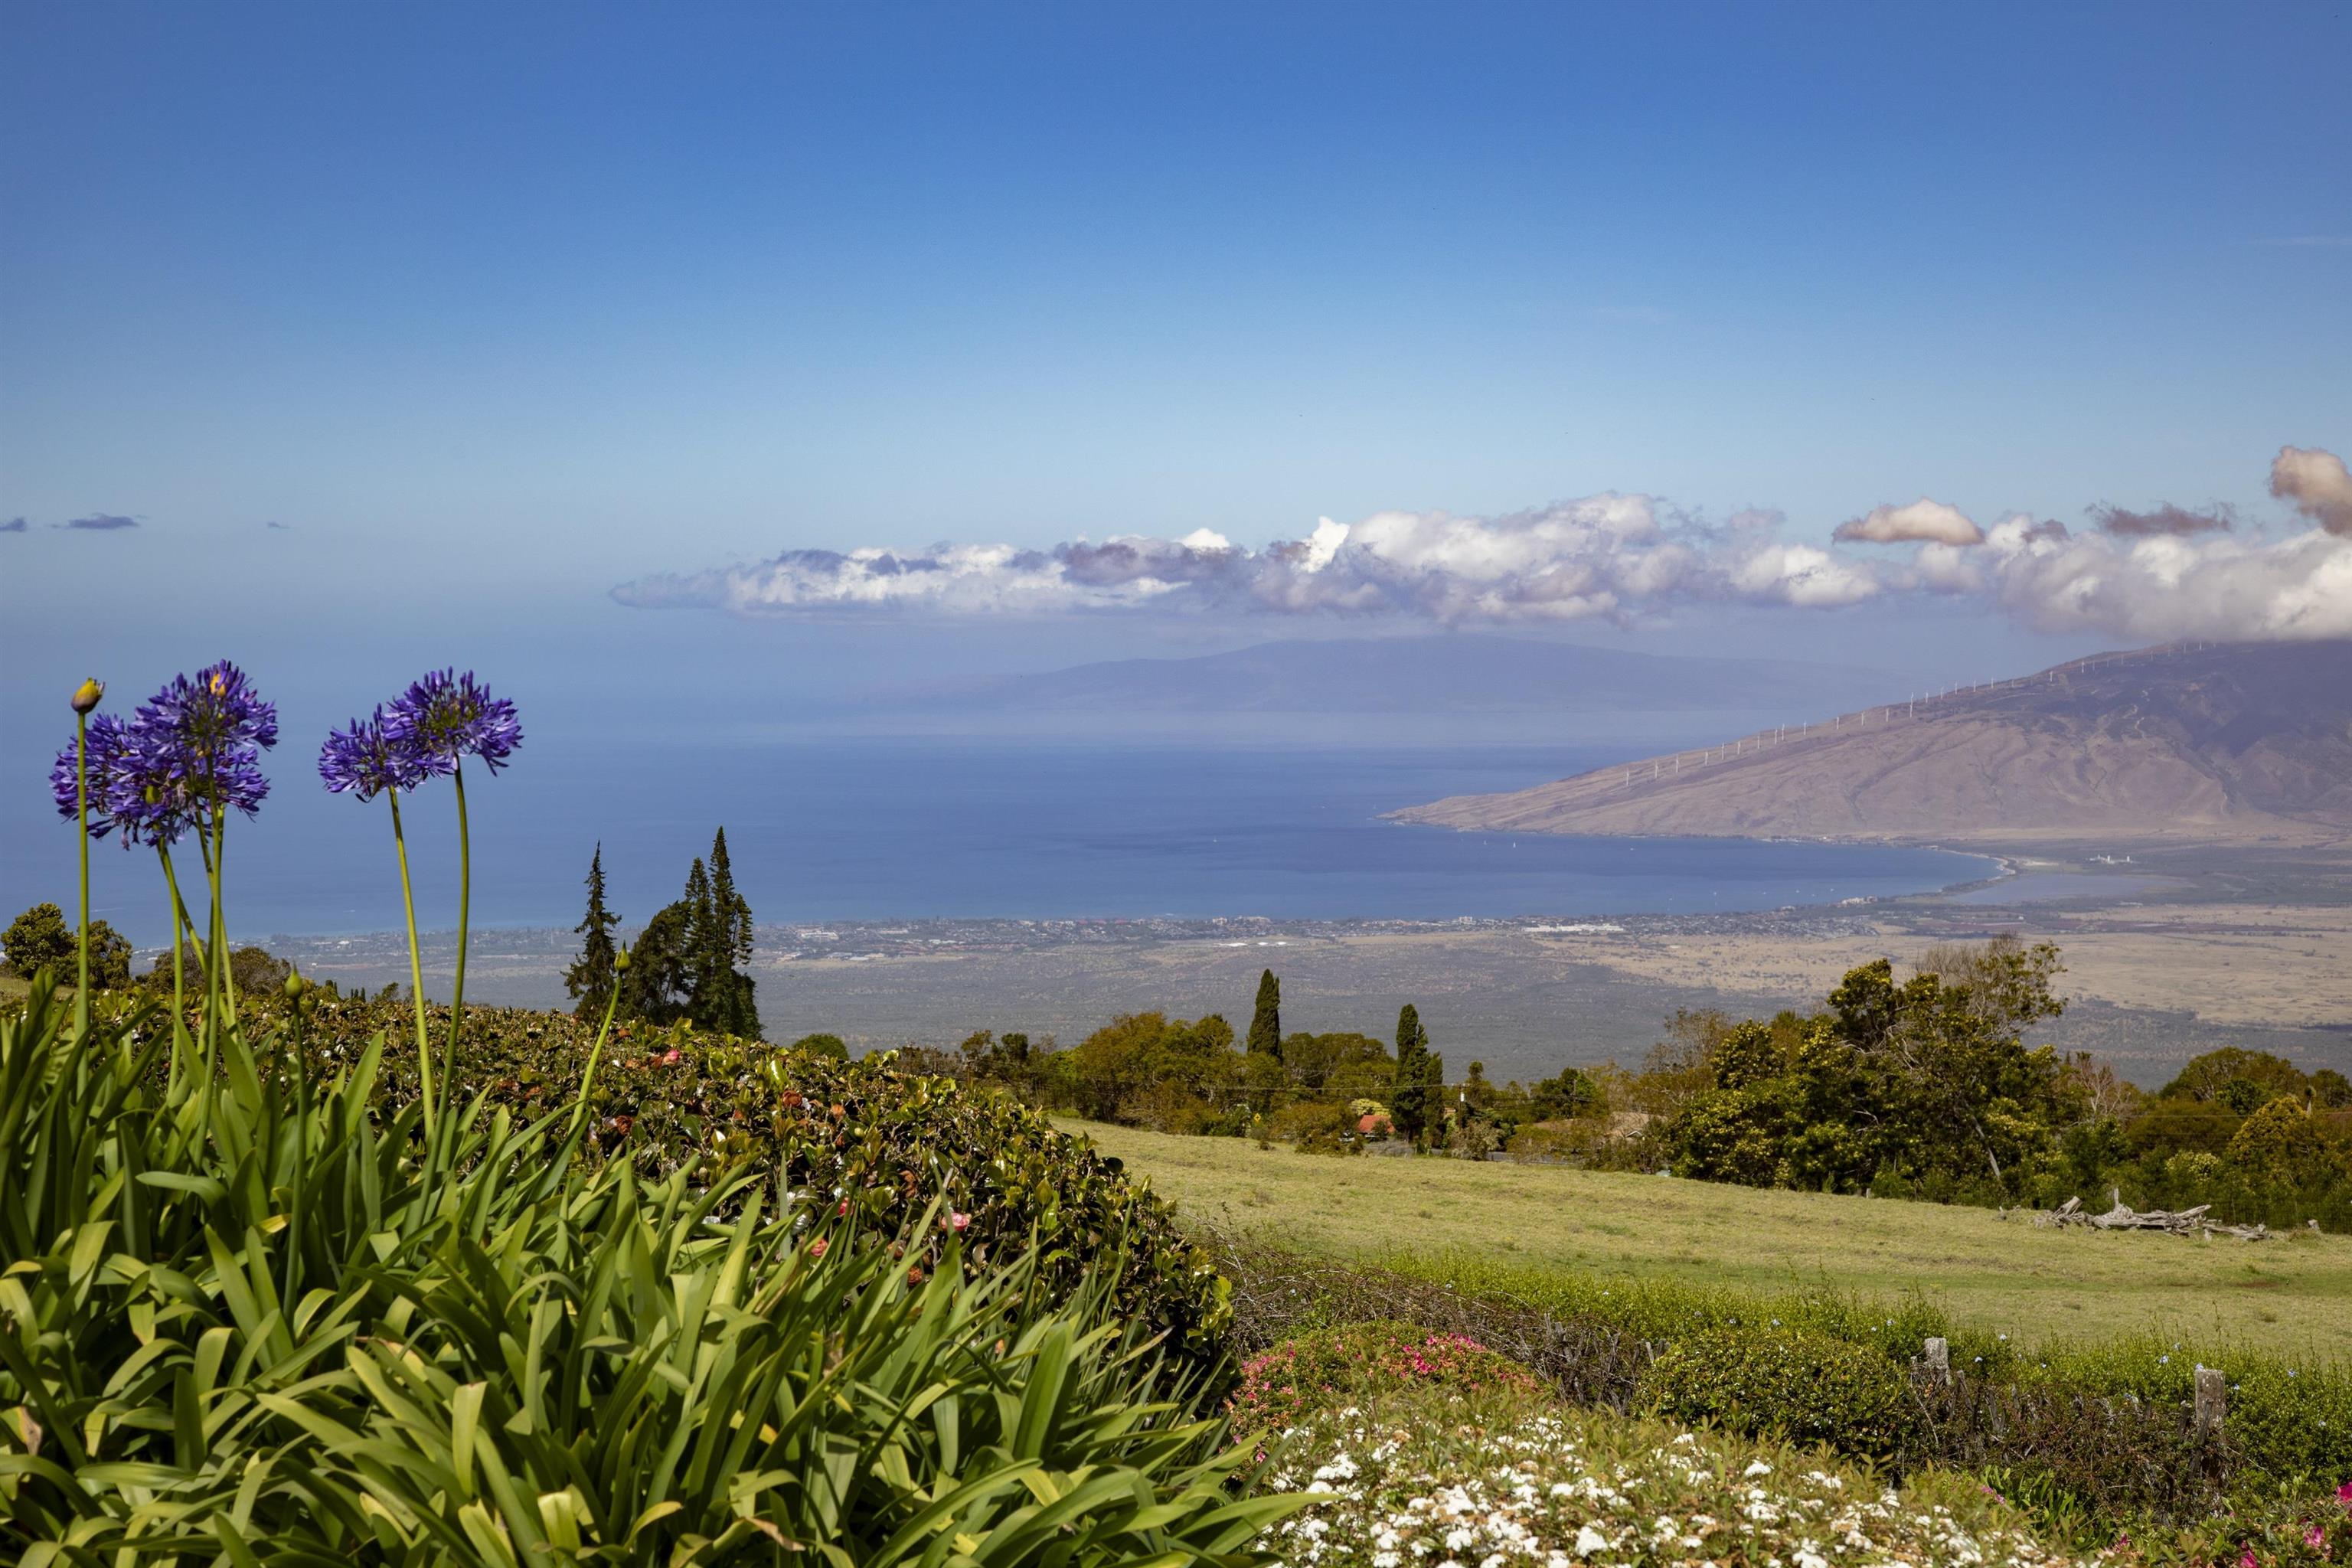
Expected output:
(869, 828)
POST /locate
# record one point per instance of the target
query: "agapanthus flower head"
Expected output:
(199, 740)
(96, 751)
(365, 761)
(135, 784)
(445, 717)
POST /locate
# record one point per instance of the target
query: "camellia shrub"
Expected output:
(1805, 1387)
(305, 1335)
(1317, 1371)
(886, 1141)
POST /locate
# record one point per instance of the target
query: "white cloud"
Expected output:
(2317, 484)
(1923, 522)
(1620, 557)
(1610, 556)
(1947, 569)
(2162, 586)
(1804, 575)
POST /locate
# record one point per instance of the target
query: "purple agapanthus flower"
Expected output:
(200, 740)
(103, 742)
(194, 748)
(364, 759)
(445, 717)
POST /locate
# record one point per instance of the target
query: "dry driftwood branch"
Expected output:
(2174, 1222)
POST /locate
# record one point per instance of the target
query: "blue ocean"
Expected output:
(911, 828)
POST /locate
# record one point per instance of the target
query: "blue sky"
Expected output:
(493, 309)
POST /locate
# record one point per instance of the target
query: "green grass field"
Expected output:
(2290, 1296)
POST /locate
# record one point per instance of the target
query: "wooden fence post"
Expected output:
(2212, 1401)
(1940, 1361)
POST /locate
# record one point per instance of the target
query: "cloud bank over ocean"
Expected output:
(2165, 573)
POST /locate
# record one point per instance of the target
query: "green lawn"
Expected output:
(2040, 1286)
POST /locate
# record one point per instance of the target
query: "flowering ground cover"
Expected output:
(1437, 1479)
(1313, 1371)
(1423, 1475)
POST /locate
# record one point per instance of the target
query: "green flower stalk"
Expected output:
(595, 1053)
(433, 727)
(465, 909)
(415, 973)
(180, 923)
(364, 761)
(296, 1003)
(86, 697)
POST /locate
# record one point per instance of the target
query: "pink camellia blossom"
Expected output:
(959, 1220)
(2246, 1559)
(816, 1247)
(2314, 1537)
(2343, 1494)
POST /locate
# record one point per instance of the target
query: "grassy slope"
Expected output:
(2040, 1286)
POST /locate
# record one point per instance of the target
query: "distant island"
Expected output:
(2193, 743)
(1453, 673)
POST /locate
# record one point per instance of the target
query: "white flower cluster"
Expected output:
(1535, 1493)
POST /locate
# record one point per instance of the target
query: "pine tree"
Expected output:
(701, 964)
(1266, 1024)
(591, 978)
(658, 986)
(1409, 1099)
(734, 912)
(719, 938)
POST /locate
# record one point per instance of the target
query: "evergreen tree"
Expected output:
(705, 954)
(1266, 1024)
(591, 977)
(1409, 1106)
(719, 938)
(733, 911)
(658, 986)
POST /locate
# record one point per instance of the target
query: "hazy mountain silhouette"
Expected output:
(2198, 742)
(1453, 673)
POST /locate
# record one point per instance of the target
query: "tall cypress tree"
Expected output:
(702, 964)
(720, 939)
(591, 978)
(1266, 1024)
(1409, 1099)
(659, 984)
(733, 911)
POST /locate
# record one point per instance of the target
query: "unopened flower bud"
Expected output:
(296, 985)
(621, 959)
(86, 695)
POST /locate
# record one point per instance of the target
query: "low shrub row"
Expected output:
(2107, 1432)
(884, 1142)
(2291, 1420)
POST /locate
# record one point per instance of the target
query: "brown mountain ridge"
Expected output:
(2192, 743)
